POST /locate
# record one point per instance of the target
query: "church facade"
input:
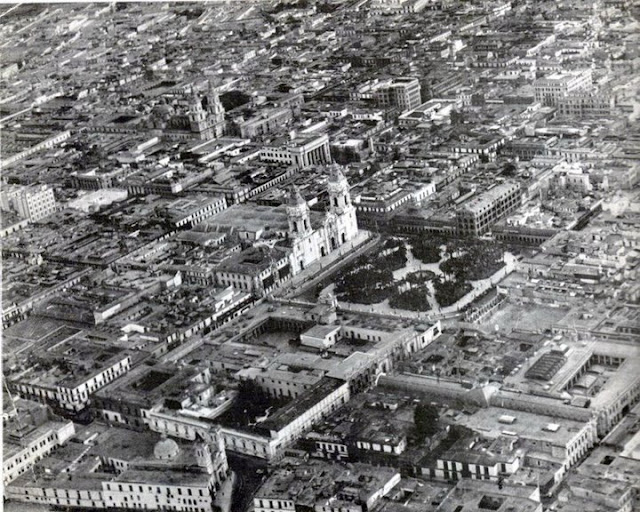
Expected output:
(282, 241)
(310, 243)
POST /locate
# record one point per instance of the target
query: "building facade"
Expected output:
(550, 89)
(299, 153)
(33, 445)
(32, 203)
(309, 244)
(478, 215)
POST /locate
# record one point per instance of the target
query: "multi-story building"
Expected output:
(382, 200)
(28, 436)
(206, 115)
(309, 244)
(401, 92)
(256, 270)
(281, 381)
(33, 203)
(586, 105)
(130, 470)
(299, 152)
(130, 400)
(269, 438)
(550, 89)
(476, 216)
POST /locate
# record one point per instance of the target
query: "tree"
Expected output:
(233, 99)
(425, 418)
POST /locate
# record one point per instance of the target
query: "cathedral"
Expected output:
(282, 241)
(206, 115)
(194, 115)
(309, 243)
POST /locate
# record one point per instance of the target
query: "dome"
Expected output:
(166, 449)
(295, 198)
(335, 175)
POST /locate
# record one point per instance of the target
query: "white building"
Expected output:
(26, 441)
(320, 336)
(69, 383)
(550, 89)
(339, 227)
(268, 438)
(299, 153)
(32, 203)
(124, 476)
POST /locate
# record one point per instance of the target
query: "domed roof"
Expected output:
(335, 175)
(295, 198)
(166, 449)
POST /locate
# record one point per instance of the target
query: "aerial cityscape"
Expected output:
(320, 256)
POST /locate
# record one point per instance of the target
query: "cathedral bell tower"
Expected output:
(338, 188)
(346, 224)
(206, 114)
(298, 214)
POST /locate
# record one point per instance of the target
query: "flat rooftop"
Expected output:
(527, 425)
(304, 402)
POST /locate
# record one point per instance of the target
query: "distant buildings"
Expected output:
(174, 230)
(190, 115)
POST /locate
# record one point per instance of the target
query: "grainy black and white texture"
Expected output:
(320, 256)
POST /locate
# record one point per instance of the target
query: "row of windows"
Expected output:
(158, 490)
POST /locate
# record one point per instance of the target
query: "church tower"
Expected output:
(298, 214)
(206, 115)
(340, 205)
(338, 188)
(215, 112)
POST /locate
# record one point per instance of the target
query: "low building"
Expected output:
(130, 401)
(325, 487)
(266, 122)
(69, 368)
(381, 440)
(542, 439)
(478, 458)
(475, 495)
(192, 210)
(320, 336)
